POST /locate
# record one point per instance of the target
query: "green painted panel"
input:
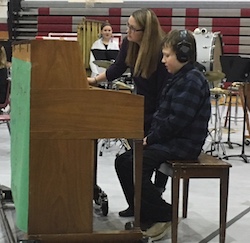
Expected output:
(20, 130)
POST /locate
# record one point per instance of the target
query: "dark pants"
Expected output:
(160, 179)
(153, 207)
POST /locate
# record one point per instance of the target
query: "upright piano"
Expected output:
(55, 120)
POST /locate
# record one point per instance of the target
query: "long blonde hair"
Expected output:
(3, 57)
(145, 58)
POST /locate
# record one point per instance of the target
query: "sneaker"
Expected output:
(167, 231)
(158, 229)
(143, 225)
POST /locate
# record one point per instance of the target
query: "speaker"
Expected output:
(183, 52)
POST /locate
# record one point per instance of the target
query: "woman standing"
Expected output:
(104, 48)
(141, 52)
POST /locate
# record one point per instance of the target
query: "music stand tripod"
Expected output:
(228, 142)
(243, 155)
(216, 132)
(230, 66)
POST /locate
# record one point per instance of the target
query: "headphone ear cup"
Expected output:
(183, 51)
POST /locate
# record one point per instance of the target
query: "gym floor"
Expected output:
(202, 222)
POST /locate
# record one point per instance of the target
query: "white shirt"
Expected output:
(98, 44)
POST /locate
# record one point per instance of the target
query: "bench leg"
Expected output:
(175, 206)
(137, 156)
(223, 203)
(185, 197)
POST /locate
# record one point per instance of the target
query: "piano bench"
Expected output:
(206, 166)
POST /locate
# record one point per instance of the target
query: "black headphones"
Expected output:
(183, 49)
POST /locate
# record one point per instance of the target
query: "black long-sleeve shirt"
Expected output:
(150, 88)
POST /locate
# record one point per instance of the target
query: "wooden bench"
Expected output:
(207, 166)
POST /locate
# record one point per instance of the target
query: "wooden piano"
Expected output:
(55, 121)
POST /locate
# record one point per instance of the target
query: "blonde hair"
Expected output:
(3, 57)
(145, 58)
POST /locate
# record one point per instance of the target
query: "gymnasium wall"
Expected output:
(229, 18)
(3, 20)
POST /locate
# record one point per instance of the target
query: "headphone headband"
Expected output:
(183, 52)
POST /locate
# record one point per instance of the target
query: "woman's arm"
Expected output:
(98, 79)
(119, 67)
(115, 70)
(93, 66)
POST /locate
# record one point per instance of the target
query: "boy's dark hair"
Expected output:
(183, 44)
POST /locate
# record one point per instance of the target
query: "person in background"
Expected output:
(105, 43)
(141, 53)
(178, 130)
(3, 74)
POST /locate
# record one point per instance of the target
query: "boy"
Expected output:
(178, 130)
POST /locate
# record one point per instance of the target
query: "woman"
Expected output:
(141, 52)
(3, 74)
(103, 48)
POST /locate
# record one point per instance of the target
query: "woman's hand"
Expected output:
(145, 141)
(92, 81)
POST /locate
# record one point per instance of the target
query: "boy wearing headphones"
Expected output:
(182, 117)
(178, 130)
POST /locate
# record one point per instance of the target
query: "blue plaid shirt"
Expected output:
(180, 125)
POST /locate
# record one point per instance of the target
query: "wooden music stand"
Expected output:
(55, 121)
